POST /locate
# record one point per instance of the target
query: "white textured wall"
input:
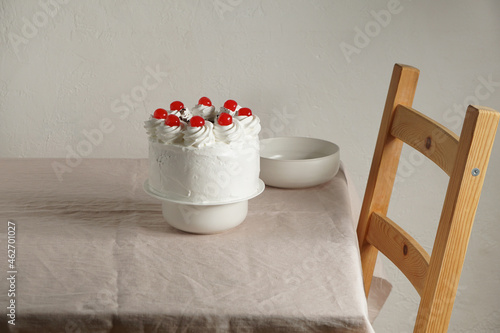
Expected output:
(74, 70)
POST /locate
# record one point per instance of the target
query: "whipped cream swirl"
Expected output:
(229, 133)
(250, 124)
(207, 112)
(199, 136)
(151, 125)
(169, 134)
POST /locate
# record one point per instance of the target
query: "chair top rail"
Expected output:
(427, 136)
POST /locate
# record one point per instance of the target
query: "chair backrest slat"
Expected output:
(397, 245)
(427, 136)
(464, 159)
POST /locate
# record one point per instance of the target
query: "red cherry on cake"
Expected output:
(160, 114)
(176, 106)
(172, 120)
(197, 121)
(230, 105)
(245, 112)
(205, 101)
(225, 119)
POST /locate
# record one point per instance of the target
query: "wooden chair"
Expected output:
(464, 159)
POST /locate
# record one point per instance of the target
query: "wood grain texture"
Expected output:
(384, 164)
(435, 278)
(402, 249)
(427, 136)
(457, 217)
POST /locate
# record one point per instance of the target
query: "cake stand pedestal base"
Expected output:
(204, 219)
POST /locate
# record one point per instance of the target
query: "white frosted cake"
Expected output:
(204, 156)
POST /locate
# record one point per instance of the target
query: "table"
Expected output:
(94, 254)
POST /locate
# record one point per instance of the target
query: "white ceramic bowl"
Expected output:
(298, 162)
(204, 219)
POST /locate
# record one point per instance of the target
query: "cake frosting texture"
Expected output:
(202, 162)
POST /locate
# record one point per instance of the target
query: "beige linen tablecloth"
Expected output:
(94, 254)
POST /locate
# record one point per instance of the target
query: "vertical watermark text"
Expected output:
(11, 272)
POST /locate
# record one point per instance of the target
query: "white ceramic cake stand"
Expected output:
(203, 218)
